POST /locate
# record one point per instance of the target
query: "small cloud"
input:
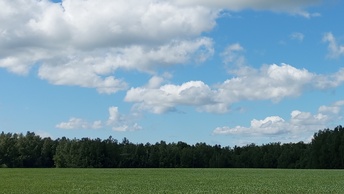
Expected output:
(114, 116)
(120, 122)
(97, 125)
(333, 109)
(73, 123)
(297, 36)
(269, 125)
(116, 121)
(306, 14)
(78, 123)
(282, 42)
(339, 103)
(232, 55)
(155, 82)
(43, 134)
(124, 127)
(334, 49)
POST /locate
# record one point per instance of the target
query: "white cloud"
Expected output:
(78, 123)
(339, 103)
(116, 122)
(123, 128)
(267, 126)
(15, 65)
(97, 124)
(90, 70)
(43, 134)
(288, 6)
(114, 116)
(291, 7)
(145, 58)
(299, 118)
(334, 49)
(306, 14)
(329, 81)
(299, 123)
(80, 75)
(72, 43)
(329, 109)
(232, 55)
(166, 97)
(155, 82)
(119, 122)
(297, 36)
(270, 82)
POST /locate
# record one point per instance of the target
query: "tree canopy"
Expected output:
(326, 150)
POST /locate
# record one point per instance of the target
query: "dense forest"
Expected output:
(17, 150)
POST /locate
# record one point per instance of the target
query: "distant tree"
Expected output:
(30, 147)
(327, 148)
(111, 153)
(61, 156)
(48, 152)
(9, 154)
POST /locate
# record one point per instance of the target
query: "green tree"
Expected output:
(30, 147)
(48, 152)
(62, 153)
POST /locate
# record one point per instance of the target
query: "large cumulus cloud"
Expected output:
(83, 43)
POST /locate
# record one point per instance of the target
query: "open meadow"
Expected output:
(170, 181)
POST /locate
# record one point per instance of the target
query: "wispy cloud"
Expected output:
(78, 123)
(297, 36)
(232, 55)
(334, 49)
(306, 14)
(286, 6)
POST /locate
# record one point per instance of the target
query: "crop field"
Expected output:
(170, 181)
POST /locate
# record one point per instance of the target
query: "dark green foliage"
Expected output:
(17, 150)
(327, 149)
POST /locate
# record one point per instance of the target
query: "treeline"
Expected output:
(17, 150)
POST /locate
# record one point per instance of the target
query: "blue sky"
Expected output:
(220, 72)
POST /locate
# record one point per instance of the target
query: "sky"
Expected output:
(220, 72)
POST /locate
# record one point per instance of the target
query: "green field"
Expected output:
(170, 181)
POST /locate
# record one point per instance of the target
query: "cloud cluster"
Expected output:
(299, 122)
(116, 121)
(270, 82)
(73, 43)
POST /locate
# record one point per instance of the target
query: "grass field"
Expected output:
(170, 181)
